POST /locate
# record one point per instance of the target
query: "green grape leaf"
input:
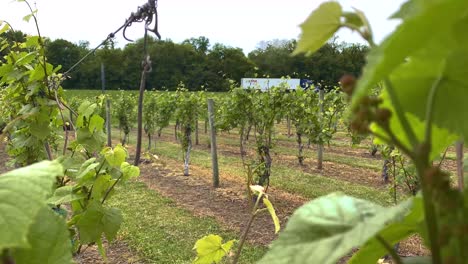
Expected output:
(65, 194)
(329, 227)
(96, 122)
(91, 141)
(40, 130)
(97, 220)
(414, 80)
(49, 241)
(86, 172)
(86, 164)
(353, 19)
(393, 233)
(319, 27)
(26, 59)
(100, 186)
(87, 109)
(5, 28)
(32, 41)
(22, 194)
(27, 17)
(112, 220)
(210, 249)
(407, 9)
(441, 138)
(409, 38)
(272, 212)
(115, 156)
(129, 171)
(37, 74)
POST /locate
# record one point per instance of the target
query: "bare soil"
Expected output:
(229, 204)
(117, 252)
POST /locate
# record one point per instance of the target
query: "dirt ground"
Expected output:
(228, 204)
(117, 252)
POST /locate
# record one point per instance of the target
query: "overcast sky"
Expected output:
(236, 23)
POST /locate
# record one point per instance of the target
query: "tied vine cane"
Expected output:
(147, 13)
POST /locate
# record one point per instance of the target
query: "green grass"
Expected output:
(296, 181)
(371, 164)
(86, 93)
(160, 232)
(283, 177)
(360, 162)
(70, 93)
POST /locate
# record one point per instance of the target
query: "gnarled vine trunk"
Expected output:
(248, 132)
(175, 129)
(188, 147)
(149, 141)
(242, 143)
(300, 148)
(265, 158)
(196, 131)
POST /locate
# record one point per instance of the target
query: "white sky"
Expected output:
(236, 23)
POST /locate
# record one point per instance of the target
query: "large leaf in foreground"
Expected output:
(437, 16)
(49, 240)
(319, 27)
(448, 73)
(392, 234)
(22, 195)
(441, 138)
(327, 228)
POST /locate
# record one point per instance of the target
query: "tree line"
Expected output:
(197, 63)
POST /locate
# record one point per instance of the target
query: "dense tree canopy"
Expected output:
(198, 63)
(326, 66)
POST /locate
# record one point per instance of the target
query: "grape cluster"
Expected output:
(368, 109)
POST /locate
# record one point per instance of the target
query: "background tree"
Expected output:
(200, 65)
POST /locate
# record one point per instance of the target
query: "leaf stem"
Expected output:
(110, 189)
(63, 122)
(48, 150)
(246, 231)
(393, 141)
(443, 157)
(390, 249)
(358, 30)
(400, 114)
(430, 111)
(41, 43)
(422, 164)
(429, 212)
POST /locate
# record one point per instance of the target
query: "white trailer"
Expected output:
(267, 83)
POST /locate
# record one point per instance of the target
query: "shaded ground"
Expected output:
(229, 204)
(117, 252)
(332, 169)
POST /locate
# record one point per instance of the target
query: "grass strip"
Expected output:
(160, 232)
(305, 184)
